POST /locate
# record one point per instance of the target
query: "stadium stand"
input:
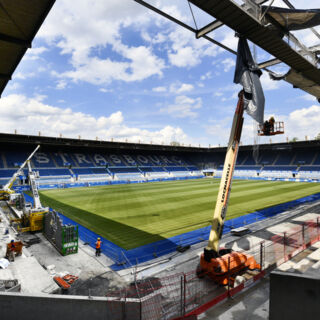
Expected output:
(74, 161)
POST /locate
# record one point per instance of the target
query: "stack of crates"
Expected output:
(69, 240)
(63, 237)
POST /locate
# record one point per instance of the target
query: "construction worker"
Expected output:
(10, 251)
(271, 124)
(98, 247)
(266, 128)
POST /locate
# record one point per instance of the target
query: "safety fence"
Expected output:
(185, 296)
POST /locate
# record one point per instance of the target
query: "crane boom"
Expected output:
(226, 180)
(9, 184)
(34, 188)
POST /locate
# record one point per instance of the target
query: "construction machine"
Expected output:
(6, 191)
(223, 265)
(33, 216)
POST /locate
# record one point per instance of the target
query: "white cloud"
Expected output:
(309, 97)
(180, 88)
(303, 122)
(30, 115)
(206, 76)
(24, 75)
(184, 57)
(186, 51)
(61, 84)
(229, 92)
(228, 63)
(159, 89)
(184, 107)
(34, 53)
(13, 85)
(78, 34)
(104, 90)
(269, 84)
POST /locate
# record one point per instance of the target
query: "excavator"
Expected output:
(223, 265)
(6, 191)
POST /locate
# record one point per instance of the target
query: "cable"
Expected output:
(270, 4)
(195, 23)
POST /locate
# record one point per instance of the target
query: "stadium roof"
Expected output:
(20, 20)
(305, 73)
(257, 24)
(69, 144)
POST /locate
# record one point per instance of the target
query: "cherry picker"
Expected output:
(224, 264)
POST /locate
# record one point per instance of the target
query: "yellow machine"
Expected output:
(32, 221)
(223, 265)
(32, 218)
(6, 191)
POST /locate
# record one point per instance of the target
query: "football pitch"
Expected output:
(131, 215)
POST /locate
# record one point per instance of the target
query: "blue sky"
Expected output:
(115, 70)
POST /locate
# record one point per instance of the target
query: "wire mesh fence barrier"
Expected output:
(184, 294)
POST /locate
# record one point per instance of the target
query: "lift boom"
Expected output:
(226, 180)
(220, 264)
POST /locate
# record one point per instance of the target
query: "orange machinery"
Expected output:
(223, 265)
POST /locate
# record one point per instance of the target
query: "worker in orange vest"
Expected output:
(98, 247)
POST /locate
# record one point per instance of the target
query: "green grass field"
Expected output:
(132, 215)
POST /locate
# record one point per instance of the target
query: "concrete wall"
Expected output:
(294, 296)
(59, 307)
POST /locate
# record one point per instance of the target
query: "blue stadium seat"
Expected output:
(317, 160)
(7, 173)
(82, 171)
(124, 170)
(43, 160)
(285, 158)
(63, 159)
(54, 172)
(304, 157)
(309, 168)
(280, 168)
(14, 159)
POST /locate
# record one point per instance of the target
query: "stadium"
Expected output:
(119, 230)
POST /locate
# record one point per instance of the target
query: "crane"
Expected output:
(32, 219)
(34, 188)
(6, 190)
(224, 264)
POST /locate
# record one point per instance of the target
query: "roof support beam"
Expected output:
(149, 6)
(314, 49)
(209, 28)
(269, 63)
(217, 24)
(17, 41)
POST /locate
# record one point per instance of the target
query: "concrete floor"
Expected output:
(252, 304)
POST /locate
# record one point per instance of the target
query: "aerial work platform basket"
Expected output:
(271, 129)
